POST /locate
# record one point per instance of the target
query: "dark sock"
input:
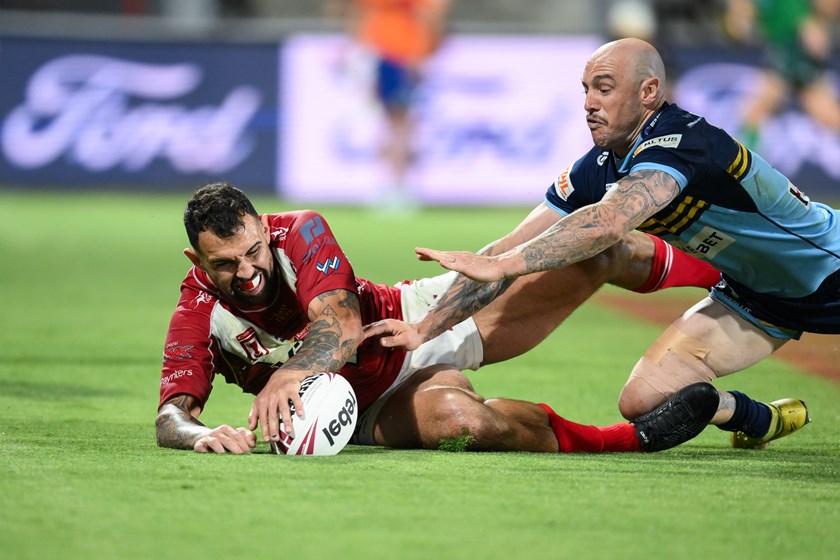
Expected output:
(751, 417)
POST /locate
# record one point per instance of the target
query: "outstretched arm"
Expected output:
(465, 296)
(178, 427)
(334, 334)
(577, 237)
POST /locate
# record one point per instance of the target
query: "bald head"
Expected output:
(638, 57)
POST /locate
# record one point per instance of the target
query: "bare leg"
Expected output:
(439, 403)
(707, 342)
(536, 304)
(439, 407)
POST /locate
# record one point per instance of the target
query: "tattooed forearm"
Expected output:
(176, 428)
(462, 300)
(573, 239)
(592, 229)
(329, 343)
(322, 348)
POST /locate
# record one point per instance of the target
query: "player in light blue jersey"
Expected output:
(665, 171)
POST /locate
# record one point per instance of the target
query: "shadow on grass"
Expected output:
(358, 450)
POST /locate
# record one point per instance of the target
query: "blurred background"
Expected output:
(285, 97)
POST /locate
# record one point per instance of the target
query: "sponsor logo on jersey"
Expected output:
(176, 352)
(202, 297)
(329, 240)
(312, 229)
(279, 234)
(250, 342)
(801, 196)
(669, 141)
(602, 158)
(330, 264)
(694, 122)
(707, 243)
(177, 374)
(563, 185)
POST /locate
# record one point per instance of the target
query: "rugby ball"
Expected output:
(330, 413)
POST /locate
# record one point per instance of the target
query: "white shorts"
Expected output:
(459, 346)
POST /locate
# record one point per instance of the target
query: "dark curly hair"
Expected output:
(218, 208)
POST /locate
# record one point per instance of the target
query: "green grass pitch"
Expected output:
(88, 283)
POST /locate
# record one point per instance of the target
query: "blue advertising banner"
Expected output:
(149, 115)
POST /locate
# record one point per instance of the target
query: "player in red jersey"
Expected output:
(272, 299)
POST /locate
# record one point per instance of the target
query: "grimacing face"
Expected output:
(241, 267)
(613, 102)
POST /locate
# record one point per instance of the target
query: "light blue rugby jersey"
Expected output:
(734, 209)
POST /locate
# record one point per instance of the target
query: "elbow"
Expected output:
(614, 235)
(160, 422)
(615, 229)
(355, 335)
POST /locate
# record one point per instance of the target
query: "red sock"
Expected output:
(574, 437)
(672, 268)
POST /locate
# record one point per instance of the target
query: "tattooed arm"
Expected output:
(178, 427)
(577, 237)
(334, 334)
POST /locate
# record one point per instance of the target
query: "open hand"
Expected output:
(226, 438)
(477, 267)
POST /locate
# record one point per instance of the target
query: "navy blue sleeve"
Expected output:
(582, 183)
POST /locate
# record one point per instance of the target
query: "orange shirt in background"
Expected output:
(402, 31)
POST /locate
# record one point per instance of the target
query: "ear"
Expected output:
(266, 229)
(193, 256)
(650, 92)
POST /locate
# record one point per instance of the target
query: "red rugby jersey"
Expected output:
(208, 335)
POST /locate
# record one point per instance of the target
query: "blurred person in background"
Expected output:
(401, 36)
(797, 43)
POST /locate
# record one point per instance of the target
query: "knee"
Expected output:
(638, 398)
(627, 264)
(462, 421)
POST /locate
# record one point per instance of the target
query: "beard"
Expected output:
(266, 294)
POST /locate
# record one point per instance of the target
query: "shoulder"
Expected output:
(677, 128)
(591, 165)
(676, 135)
(198, 290)
(305, 224)
(295, 220)
(298, 234)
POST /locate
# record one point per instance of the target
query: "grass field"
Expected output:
(88, 284)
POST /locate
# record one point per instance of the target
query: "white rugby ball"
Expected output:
(330, 413)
